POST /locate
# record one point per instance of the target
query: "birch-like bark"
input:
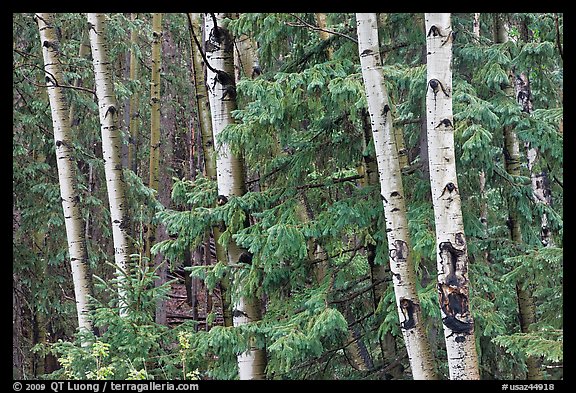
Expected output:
(230, 168)
(512, 162)
(392, 192)
(67, 172)
(111, 149)
(205, 124)
(540, 183)
(452, 253)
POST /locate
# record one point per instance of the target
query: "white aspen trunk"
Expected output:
(205, 124)
(452, 257)
(512, 161)
(111, 149)
(540, 187)
(66, 164)
(476, 25)
(403, 272)
(229, 167)
(207, 140)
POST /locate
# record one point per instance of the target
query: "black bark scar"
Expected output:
(408, 308)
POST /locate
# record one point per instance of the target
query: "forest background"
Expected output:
(300, 249)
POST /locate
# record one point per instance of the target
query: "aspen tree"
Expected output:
(133, 112)
(111, 148)
(67, 171)
(230, 168)
(205, 124)
(512, 163)
(392, 192)
(451, 249)
(154, 172)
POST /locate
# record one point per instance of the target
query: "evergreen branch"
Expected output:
(357, 293)
(316, 28)
(333, 181)
(318, 48)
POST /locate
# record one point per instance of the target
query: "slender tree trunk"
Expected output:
(245, 58)
(17, 333)
(378, 272)
(452, 257)
(403, 272)
(230, 168)
(482, 175)
(321, 21)
(209, 153)
(133, 112)
(512, 161)
(540, 183)
(154, 172)
(111, 149)
(67, 171)
(83, 53)
(476, 25)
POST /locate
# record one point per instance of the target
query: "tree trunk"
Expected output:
(154, 172)
(452, 257)
(482, 175)
(230, 168)
(111, 149)
(67, 171)
(512, 161)
(540, 183)
(133, 113)
(324, 35)
(378, 273)
(209, 153)
(392, 192)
